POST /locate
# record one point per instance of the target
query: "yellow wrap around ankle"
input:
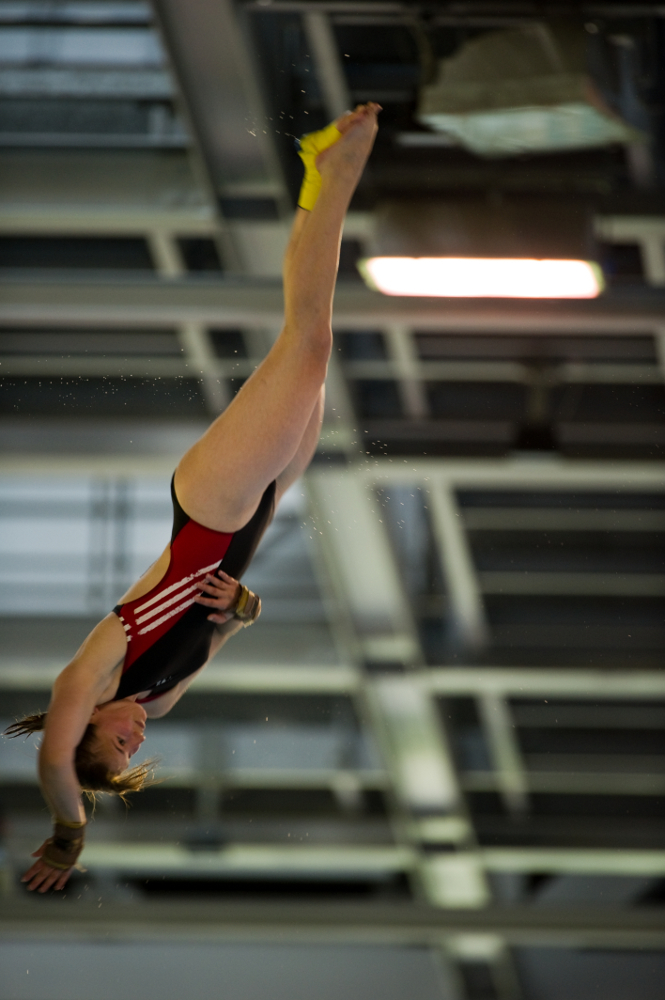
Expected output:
(310, 146)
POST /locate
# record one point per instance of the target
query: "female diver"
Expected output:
(138, 662)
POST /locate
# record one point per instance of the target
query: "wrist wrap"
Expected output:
(248, 608)
(64, 847)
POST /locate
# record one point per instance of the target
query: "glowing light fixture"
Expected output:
(486, 277)
(508, 247)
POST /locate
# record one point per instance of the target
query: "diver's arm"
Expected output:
(69, 712)
(67, 720)
(82, 685)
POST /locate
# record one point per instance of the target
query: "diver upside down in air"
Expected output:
(138, 662)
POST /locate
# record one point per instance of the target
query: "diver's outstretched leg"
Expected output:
(264, 429)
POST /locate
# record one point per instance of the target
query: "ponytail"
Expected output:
(26, 726)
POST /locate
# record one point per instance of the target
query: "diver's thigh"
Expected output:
(220, 480)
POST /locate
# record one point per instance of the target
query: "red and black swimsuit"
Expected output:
(168, 635)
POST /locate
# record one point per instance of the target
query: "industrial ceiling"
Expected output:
(442, 746)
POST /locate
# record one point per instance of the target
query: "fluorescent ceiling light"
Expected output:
(478, 277)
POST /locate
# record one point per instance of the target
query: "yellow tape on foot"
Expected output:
(310, 146)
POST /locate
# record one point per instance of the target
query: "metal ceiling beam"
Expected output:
(166, 256)
(329, 71)
(571, 861)
(139, 301)
(362, 566)
(595, 782)
(106, 192)
(20, 675)
(215, 782)
(80, 13)
(519, 518)
(423, 778)
(606, 584)
(461, 579)
(605, 716)
(422, 768)
(102, 466)
(100, 367)
(213, 64)
(410, 369)
(248, 860)
(177, 139)
(201, 359)
(510, 771)
(406, 364)
(411, 379)
(47, 83)
(648, 232)
(521, 682)
(107, 219)
(553, 474)
(531, 682)
(492, 12)
(601, 927)
(286, 680)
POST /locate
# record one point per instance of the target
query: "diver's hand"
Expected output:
(223, 594)
(43, 876)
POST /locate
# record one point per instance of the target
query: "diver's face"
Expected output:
(120, 727)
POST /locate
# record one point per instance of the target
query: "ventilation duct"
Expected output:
(523, 90)
(510, 248)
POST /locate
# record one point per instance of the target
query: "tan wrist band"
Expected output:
(63, 848)
(248, 608)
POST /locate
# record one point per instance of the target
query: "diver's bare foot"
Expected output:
(349, 154)
(360, 111)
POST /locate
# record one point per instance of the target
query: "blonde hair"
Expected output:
(93, 774)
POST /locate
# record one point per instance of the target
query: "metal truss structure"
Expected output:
(448, 723)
